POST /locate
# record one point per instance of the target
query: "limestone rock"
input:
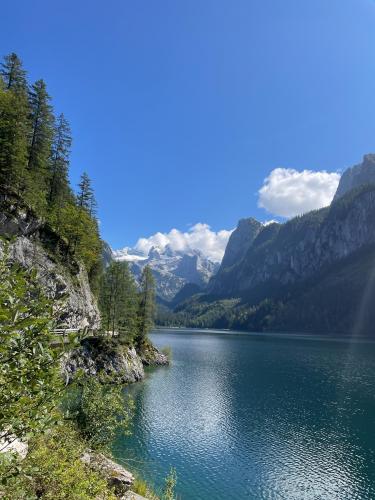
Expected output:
(31, 243)
(354, 177)
(130, 495)
(116, 475)
(100, 356)
(285, 254)
(14, 445)
(151, 356)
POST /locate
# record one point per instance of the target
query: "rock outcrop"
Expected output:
(29, 242)
(116, 476)
(283, 254)
(359, 175)
(109, 360)
(151, 356)
(314, 273)
(14, 445)
(130, 495)
(240, 241)
(103, 357)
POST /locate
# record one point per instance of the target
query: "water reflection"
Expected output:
(255, 417)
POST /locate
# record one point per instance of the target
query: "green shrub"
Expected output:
(53, 470)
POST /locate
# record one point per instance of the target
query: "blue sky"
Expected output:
(181, 108)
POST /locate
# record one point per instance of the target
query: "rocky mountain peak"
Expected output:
(354, 177)
(172, 269)
(240, 240)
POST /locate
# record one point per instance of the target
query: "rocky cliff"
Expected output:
(107, 359)
(313, 273)
(283, 254)
(240, 241)
(359, 175)
(32, 244)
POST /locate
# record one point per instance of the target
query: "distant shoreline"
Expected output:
(335, 337)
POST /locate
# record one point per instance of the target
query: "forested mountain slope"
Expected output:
(315, 272)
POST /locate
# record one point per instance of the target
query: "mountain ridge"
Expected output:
(298, 275)
(172, 269)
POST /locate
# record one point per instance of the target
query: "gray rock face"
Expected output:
(130, 495)
(240, 241)
(357, 176)
(107, 254)
(151, 356)
(16, 221)
(69, 285)
(77, 306)
(104, 357)
(116, 476)
(96, 357)
(287, 253)
(14, 445)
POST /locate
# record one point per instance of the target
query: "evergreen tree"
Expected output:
(118, 301)
(59, 188)
(14, 123)
(13, 74)
(42, 127)
(82, 233)
(146, 304)
(85, 197)
(13, 143)
(40, 142)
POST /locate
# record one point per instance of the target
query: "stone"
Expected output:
(116, 475)
(31, 243)
(354, 177)
(130, 495)
(14, 445)
(101, 356)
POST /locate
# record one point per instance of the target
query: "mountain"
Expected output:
(315, 272)
(357, 176)
(172, 269)
(107, 254)
(240, 241)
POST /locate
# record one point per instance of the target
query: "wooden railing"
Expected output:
(63, 335)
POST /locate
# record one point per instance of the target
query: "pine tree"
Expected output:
(42, 127)
(40, 141)
(146, 304)
(85, 197)
(59, 188)
(14, 123)
(13, 74)
(118, 301)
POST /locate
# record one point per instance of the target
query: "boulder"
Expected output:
(116, 476)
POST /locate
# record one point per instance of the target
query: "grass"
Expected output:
(142, 488)
(167, 350)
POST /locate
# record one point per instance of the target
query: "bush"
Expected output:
(53, 470)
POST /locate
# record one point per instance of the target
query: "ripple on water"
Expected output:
(255, 418)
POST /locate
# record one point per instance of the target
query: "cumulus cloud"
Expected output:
(199, 237)
(287, 192)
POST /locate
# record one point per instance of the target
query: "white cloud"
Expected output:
(287, 192)
(199, 237)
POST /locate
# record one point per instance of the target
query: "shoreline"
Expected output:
(334, 337)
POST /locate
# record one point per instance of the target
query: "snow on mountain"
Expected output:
(172, 268)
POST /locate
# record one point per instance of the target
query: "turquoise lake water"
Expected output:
(246, 416)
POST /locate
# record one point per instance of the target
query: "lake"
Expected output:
(257, 416)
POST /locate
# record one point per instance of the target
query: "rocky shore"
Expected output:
(106, 358)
